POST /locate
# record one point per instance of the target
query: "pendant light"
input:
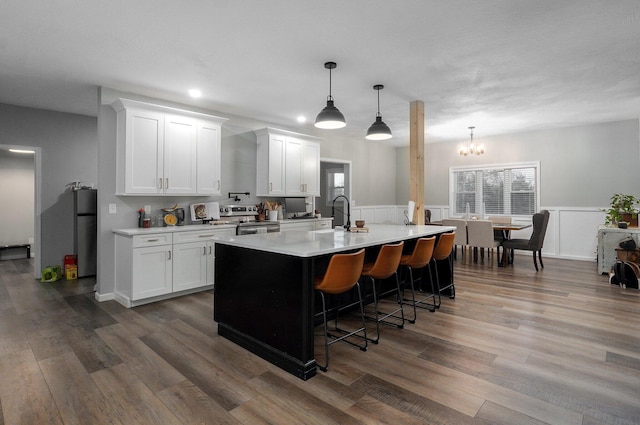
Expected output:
(330, 117)
(471, 148)
(378, 130)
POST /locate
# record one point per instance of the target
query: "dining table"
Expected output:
(506, 229)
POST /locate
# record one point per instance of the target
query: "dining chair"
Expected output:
(385, 266)
(481, 237)
(500, 235)
(534, 243)
(427, 216)
(461, 234)
(442, 253)
(417, 261)
(342, 274)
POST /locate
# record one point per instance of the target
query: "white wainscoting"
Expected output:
(572, 232)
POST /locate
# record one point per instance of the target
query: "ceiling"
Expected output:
(502, 66)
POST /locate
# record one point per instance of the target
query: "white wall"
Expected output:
(579, 166)
(68, 151)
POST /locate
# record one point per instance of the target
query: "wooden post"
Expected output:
(416, 160)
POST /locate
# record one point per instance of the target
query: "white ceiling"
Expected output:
(500, 65)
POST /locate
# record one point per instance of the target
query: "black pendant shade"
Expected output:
(378, 130)
(330, 117)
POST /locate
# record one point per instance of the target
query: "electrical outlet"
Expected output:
(30, 240)
(147, 209)
(112, 209)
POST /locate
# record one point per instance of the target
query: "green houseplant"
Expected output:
(622, 208)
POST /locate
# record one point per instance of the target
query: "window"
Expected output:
(335, 184)
(501, 190)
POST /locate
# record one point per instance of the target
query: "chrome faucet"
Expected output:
(333, 214)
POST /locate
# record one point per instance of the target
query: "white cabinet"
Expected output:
(209, 158)
(166, 151)
(288, 164)
(155, 266)
(323, 224)
(146, 260)
(194, 258)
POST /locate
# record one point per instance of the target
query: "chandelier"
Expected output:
(471, 148)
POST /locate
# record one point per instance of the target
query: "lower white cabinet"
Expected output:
(156, 266)
(151, 271)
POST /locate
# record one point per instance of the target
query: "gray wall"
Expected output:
(373, 172)
(68, 150)
(579, 166)
(17, 190)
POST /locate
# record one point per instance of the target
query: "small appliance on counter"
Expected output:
(173, 216)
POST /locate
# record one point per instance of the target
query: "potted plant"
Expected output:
(623, 209)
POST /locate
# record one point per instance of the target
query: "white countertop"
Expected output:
(320, 242)
(172, 229)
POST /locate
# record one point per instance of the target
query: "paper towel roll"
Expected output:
(410, 211)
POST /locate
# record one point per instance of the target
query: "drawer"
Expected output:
(152, 240)
(201, 235)
(323, 225)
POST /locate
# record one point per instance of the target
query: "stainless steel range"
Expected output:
(245, 217)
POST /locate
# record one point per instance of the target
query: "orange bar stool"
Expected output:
(417, 260)
(442, 252)
(341, 276)
(385, 266)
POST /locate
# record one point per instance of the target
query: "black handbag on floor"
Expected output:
(625, 274)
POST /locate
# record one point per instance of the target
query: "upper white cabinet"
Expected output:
(166, 151)
(288, 164)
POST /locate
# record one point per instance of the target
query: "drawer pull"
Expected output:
(153, 240)
(206, 236)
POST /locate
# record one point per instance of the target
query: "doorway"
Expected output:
(335, 180)
(25, 171)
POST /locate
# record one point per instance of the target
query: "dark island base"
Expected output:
(265, 303)
(292, 365)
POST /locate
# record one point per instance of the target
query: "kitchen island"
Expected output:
(264, 286)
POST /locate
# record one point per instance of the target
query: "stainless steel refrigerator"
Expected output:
(85, 238)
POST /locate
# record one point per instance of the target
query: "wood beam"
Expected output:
(416, 160)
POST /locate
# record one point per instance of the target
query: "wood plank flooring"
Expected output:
(560, 346)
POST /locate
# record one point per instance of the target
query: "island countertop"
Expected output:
(321, 242)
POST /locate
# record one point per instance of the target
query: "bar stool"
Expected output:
(385, 266)
(441, 252)
(417, 260)
(341, 276)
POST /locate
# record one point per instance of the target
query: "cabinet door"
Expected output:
(211, 262)
(144, 155)
(311, 169)
(180, 155)
(189, 265)
(276, 165)
(151, 272)
(293, 167)
(209, 161)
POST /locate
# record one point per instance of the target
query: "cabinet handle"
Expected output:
(167, 185)
(160, 183)
(169, 254)
(153, 240)
(204, 250)
(270, 187)
(209, 249)
(206, 236)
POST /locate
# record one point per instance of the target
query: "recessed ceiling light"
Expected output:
(195, 93)
(20, 151)
(301, 118)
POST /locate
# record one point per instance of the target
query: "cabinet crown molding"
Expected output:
(122, 103)
(280, 132)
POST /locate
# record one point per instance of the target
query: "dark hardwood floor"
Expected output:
(560, 346)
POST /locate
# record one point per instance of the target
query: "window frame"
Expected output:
(500, 167)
